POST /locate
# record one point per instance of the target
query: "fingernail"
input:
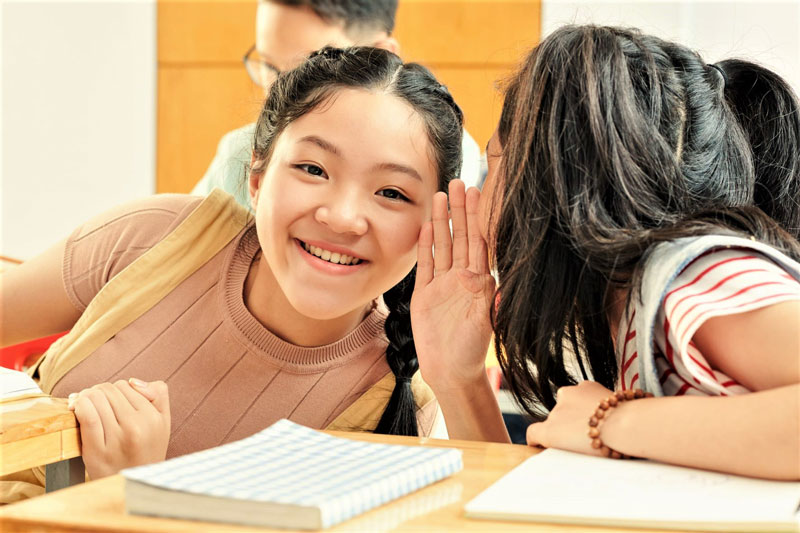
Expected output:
(137, 383)
(71, 401)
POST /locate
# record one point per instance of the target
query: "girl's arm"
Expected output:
(756, 434)
(450, 317)
(33, 300)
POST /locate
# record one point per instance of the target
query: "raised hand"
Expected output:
(123, 424)
(453, 293)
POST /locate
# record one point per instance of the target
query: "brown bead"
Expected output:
(620, 395)
(629, 395)
(594, 433)
(604, 405)
(596, 443)
(593, 421)
(615, 454)
(612, 401)
(599, 413)
(649, 395)
(605, 450)
(638, 393)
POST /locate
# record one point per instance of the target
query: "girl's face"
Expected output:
(340, 205)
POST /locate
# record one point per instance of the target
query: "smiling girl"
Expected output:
(300, 312)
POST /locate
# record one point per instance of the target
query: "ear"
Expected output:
(387, 42)
(254, 183)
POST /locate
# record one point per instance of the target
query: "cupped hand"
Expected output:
(123, 424)
(567, 426)
(453, 294)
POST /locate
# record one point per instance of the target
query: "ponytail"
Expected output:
(400, 416)
(769, 113)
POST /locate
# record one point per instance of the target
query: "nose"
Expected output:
(343, 212)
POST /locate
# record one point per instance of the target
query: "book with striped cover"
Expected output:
(286, 476)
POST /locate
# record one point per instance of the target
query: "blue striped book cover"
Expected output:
(286, 476)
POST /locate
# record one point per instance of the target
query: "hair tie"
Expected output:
(403, 379)
(721, 73)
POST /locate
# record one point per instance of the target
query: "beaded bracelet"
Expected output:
(602, 413)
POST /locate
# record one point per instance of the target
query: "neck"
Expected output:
(266, 301)
(616, 307)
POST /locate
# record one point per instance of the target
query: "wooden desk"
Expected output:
(41, 431)
(99, 505)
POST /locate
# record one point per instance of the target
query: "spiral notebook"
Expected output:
(286, 476)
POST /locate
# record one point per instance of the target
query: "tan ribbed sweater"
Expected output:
(228, 376)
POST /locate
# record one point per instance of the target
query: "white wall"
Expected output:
(78, 114)
(767, 32)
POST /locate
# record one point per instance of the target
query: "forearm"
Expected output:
(755, 434)
(471, 412)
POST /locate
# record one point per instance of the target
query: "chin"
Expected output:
(320, 309)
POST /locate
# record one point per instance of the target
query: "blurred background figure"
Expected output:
(286, 32)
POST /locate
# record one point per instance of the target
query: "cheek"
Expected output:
(485, 209)
(489, 205)
(399, 242)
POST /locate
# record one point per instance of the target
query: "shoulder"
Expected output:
(725, 281)
(674, 256)
(103, 246)
(237, 142)
(145, 214)
(471, 162)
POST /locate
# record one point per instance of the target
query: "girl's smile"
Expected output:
(331, 259)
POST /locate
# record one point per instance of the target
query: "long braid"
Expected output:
(400, 416)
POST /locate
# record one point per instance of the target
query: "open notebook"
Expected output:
(563, 487)
(285, 476)
(16, 385)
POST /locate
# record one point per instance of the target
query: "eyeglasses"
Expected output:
(262, 73)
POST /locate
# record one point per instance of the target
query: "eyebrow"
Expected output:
(396, 167)
(391, 167)
(322, 143)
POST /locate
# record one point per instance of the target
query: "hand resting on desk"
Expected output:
(123, 424)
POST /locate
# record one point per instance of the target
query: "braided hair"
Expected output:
(303, 89)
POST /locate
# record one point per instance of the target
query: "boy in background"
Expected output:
(287, 31)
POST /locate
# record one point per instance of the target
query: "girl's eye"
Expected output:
(393, 194)
(314, 170)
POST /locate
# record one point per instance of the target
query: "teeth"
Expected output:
(332, 257)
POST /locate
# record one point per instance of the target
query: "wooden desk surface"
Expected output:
(99, 505)
(35, 432)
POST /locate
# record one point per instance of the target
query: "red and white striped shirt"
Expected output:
(721, 282)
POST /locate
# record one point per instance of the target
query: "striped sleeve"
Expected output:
(721, 282)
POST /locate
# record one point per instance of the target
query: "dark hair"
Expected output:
(612, 142)
(355, 14)
(310, 85)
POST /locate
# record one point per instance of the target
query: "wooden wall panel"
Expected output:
(196, 107)
(467, 33)
(205, 31)
(204, 92)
